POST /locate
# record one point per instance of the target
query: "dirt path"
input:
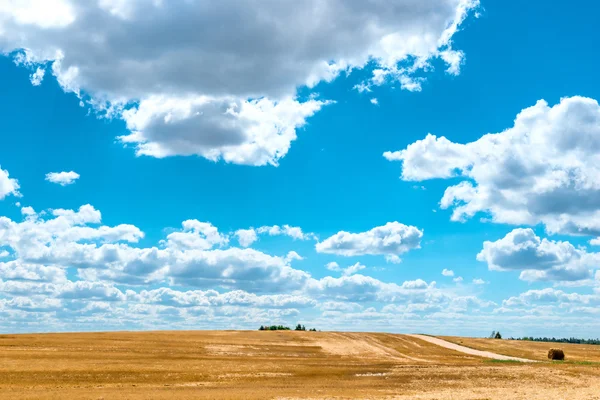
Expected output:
(467, 350)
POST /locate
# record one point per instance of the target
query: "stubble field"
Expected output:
(284, 365)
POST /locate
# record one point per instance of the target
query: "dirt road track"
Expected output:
(467, 350)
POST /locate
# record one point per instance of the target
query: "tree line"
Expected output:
(559, 340)
(299, 327)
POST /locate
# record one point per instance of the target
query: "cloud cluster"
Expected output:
(8, 185)
(64, 265)
(390, 240)
(351, 270)
(538, 259)
(219, 79)
(246, 237)
(545, 169)
(62, 178)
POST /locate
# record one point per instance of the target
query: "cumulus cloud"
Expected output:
(246, 237)
(479, 281)
(447, 272)
(294, 232)
(545, 169)
(227, 91)
(550, 295)
(37, 77)
(391, 240)
(191, 256)
(350, 270)
(358, 287)
(458, 279)
(62, 178)
(333, 266)
(196, 235)
(8, 186)
(538, 259)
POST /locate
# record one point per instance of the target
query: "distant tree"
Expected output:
(498, 336)
(493, 335)
(298, 327)
(313, 330)
(262, 328)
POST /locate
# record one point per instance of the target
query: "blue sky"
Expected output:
(312, 143)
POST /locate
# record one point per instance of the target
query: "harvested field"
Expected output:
(271, 365)
(531, 350)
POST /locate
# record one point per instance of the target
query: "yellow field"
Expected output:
(531, 350)
(284, 365)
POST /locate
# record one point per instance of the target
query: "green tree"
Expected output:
(498, 336)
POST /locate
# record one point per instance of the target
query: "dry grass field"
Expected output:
(577, 353)
(282, 365)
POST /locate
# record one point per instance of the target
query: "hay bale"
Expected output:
(556, 354)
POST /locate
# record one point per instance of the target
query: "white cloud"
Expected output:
(364, 288)
(188, 258)
(595, 242)
(447, 272)
(28, 211)
(545, 169)
(374, 101)
(550, 295)
(478, 281)
(62, 178)
(8, 186)
(37, 77)
(391, 240)
(294, 232)
(246, 237)
(212, 94)
(16, 271)
(351, 270)
(458, 279)
(538, 259)
(333, 266)
(196, 235)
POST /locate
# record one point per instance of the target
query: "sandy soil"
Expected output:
(468, 350)
(272, 365)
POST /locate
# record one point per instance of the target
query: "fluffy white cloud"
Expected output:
(479, 281)
(538, 259)
(246, 237)
(333, 266)
(38, 76)
(16, 271)
(227, 91)
(294, 232)
(390, 240)
(447, 272)
(458, 279)
(550, 295)
(545, 169)
(188, 256)
(365, 288)
(351, 270)
(62, 178)
(8, 186)
(196, 235)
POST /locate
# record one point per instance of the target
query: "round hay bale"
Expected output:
(556, 354)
